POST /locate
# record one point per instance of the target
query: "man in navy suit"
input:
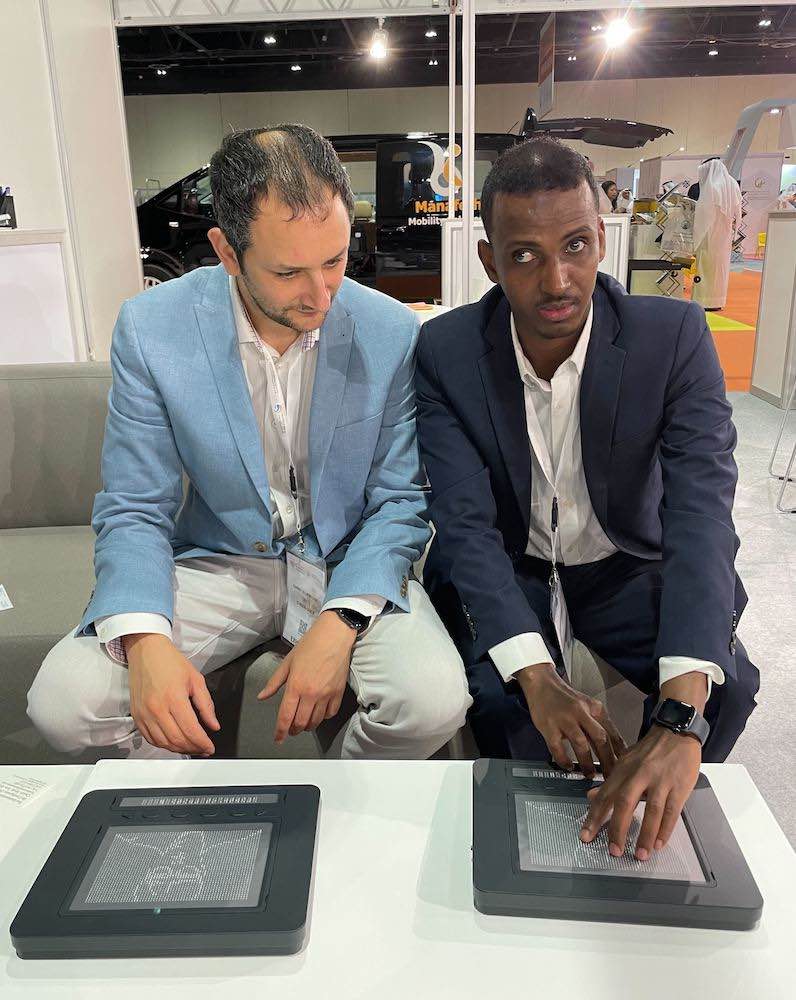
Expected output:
(579, 445)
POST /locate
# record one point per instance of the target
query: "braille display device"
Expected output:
(528, 859)
(176, 871)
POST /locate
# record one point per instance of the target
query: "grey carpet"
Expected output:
(767, 565)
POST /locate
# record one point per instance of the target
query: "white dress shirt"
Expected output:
(280, 387)
(552, 413)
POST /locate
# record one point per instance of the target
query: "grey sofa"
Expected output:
(53, 418)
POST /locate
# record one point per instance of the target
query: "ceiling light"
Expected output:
(774, 111)
(617, 33)
(431, 33)
(713, 52)
(682, 149)
(433, 62)
(764, 23)
(379, 42)
(270, 40)
(596, 27)
(295, 67)
(160, 71)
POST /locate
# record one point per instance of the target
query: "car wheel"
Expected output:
(155, 274)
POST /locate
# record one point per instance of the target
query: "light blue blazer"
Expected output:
(179, 406)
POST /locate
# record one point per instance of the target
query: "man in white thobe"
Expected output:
(717, 215)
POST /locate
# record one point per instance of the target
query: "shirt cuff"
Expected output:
(512, 655)
(369, 605)
(113, 628)
(670, 667)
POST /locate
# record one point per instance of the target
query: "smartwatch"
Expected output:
(353, 619)
(681, 718)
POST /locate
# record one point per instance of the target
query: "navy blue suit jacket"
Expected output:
(657, 441)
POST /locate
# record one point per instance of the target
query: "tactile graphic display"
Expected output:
(176, 867)
(548, 834)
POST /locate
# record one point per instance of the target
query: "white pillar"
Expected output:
(92, 138)
(468, 139)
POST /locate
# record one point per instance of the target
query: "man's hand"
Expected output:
(663, 767)
(561, 713)
(314, 673)
(166, 694)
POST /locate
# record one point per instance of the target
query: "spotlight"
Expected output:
(596, 27)
(617, 33)
(160, 71)
(682, 149)
(270, 40)
(572, 58)
(433, 62)
(431, 33)
(713, 52)
(775, 111)
(295, 68)
(379, 42)
(764, 23)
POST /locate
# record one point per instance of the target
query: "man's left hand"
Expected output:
(663, 768)
(314, 674)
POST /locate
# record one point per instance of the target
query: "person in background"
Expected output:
(718, 212)
(611, 192)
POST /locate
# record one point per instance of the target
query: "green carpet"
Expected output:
(718, 322)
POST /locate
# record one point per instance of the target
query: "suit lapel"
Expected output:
(334, 352)
(504, 395)
(599, 397)
(217, 326)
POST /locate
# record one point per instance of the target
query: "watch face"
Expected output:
(676, 714)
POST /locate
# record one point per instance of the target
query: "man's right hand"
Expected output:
(561, 713)
(166, 694)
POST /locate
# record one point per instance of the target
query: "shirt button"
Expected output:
(289, 509)
(260, 546)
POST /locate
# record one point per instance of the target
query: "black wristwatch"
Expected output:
(353, 619)
(681, 718)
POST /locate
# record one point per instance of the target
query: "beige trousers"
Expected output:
(405, 671)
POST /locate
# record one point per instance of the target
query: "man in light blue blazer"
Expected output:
(281, 394)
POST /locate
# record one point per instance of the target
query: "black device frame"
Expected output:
(728, 899)
(45, 927)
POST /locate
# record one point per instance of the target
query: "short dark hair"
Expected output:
(540, 164)
(290, 161)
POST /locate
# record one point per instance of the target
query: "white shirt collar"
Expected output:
(245, 330)
(577, 358)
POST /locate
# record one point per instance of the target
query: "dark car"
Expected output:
(401, 183)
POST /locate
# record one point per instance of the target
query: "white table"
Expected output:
(392, 915)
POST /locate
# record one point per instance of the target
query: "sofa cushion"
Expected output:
(48, 574)
(53, 419)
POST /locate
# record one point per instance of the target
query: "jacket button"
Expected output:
(260, 547)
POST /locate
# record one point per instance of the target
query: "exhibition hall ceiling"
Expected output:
(336, 53)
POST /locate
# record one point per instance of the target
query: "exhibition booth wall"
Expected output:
(172, 134)
(63, 152)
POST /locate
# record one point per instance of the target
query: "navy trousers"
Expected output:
(614, 608)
